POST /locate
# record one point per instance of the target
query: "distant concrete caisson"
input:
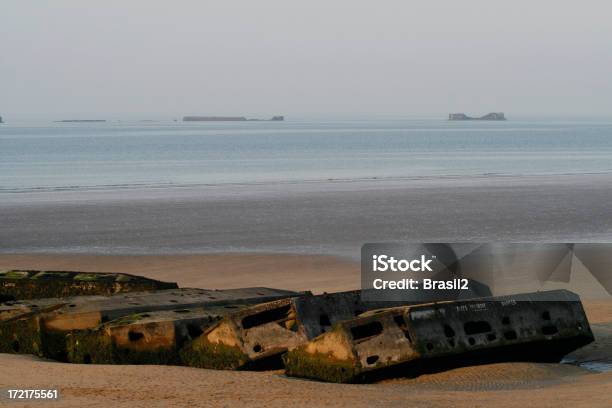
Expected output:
(489, 116)
(229, 119)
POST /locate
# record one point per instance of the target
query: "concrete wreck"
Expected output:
(19, 284)
(413, 339)
(143, 338)
(338, 337)
(44, 332)
(256, 337)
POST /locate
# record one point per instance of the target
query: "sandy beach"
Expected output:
(500, 385)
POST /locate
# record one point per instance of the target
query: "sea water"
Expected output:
(123, 154)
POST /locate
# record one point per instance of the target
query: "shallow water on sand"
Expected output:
(600, 366)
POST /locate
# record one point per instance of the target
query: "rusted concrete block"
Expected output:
(257, 336)
(46, 331)
(407, 341)
(16, 285)
(143, 338)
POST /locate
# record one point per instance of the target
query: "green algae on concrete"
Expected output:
(29, 284)
(21, 335)
(96, 347)
(89, 347)
(20, 324)
(203, 354)
(319, 366)
(14, 275)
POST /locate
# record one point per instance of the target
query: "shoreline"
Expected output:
(358, 181)
(326, 218)
(263, 188)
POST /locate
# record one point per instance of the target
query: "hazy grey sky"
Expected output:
(62, 58)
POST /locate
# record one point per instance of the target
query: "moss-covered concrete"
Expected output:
(28, 336)
(299, 363)
(21, 336)
(203, 354)
(89, 277)
(89, 346)
(54, 344)
(50, 284)
(10, 275)
(97, 347)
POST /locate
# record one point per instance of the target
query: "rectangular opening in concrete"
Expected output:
(366, 331)
(477, 327)
(279, 314)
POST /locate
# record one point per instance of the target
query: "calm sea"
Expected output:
(49, 156)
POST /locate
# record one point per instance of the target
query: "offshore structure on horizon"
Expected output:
(229, 119)
(489, 116)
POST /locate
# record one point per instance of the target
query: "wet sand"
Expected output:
(498, 385)
(335, 217)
